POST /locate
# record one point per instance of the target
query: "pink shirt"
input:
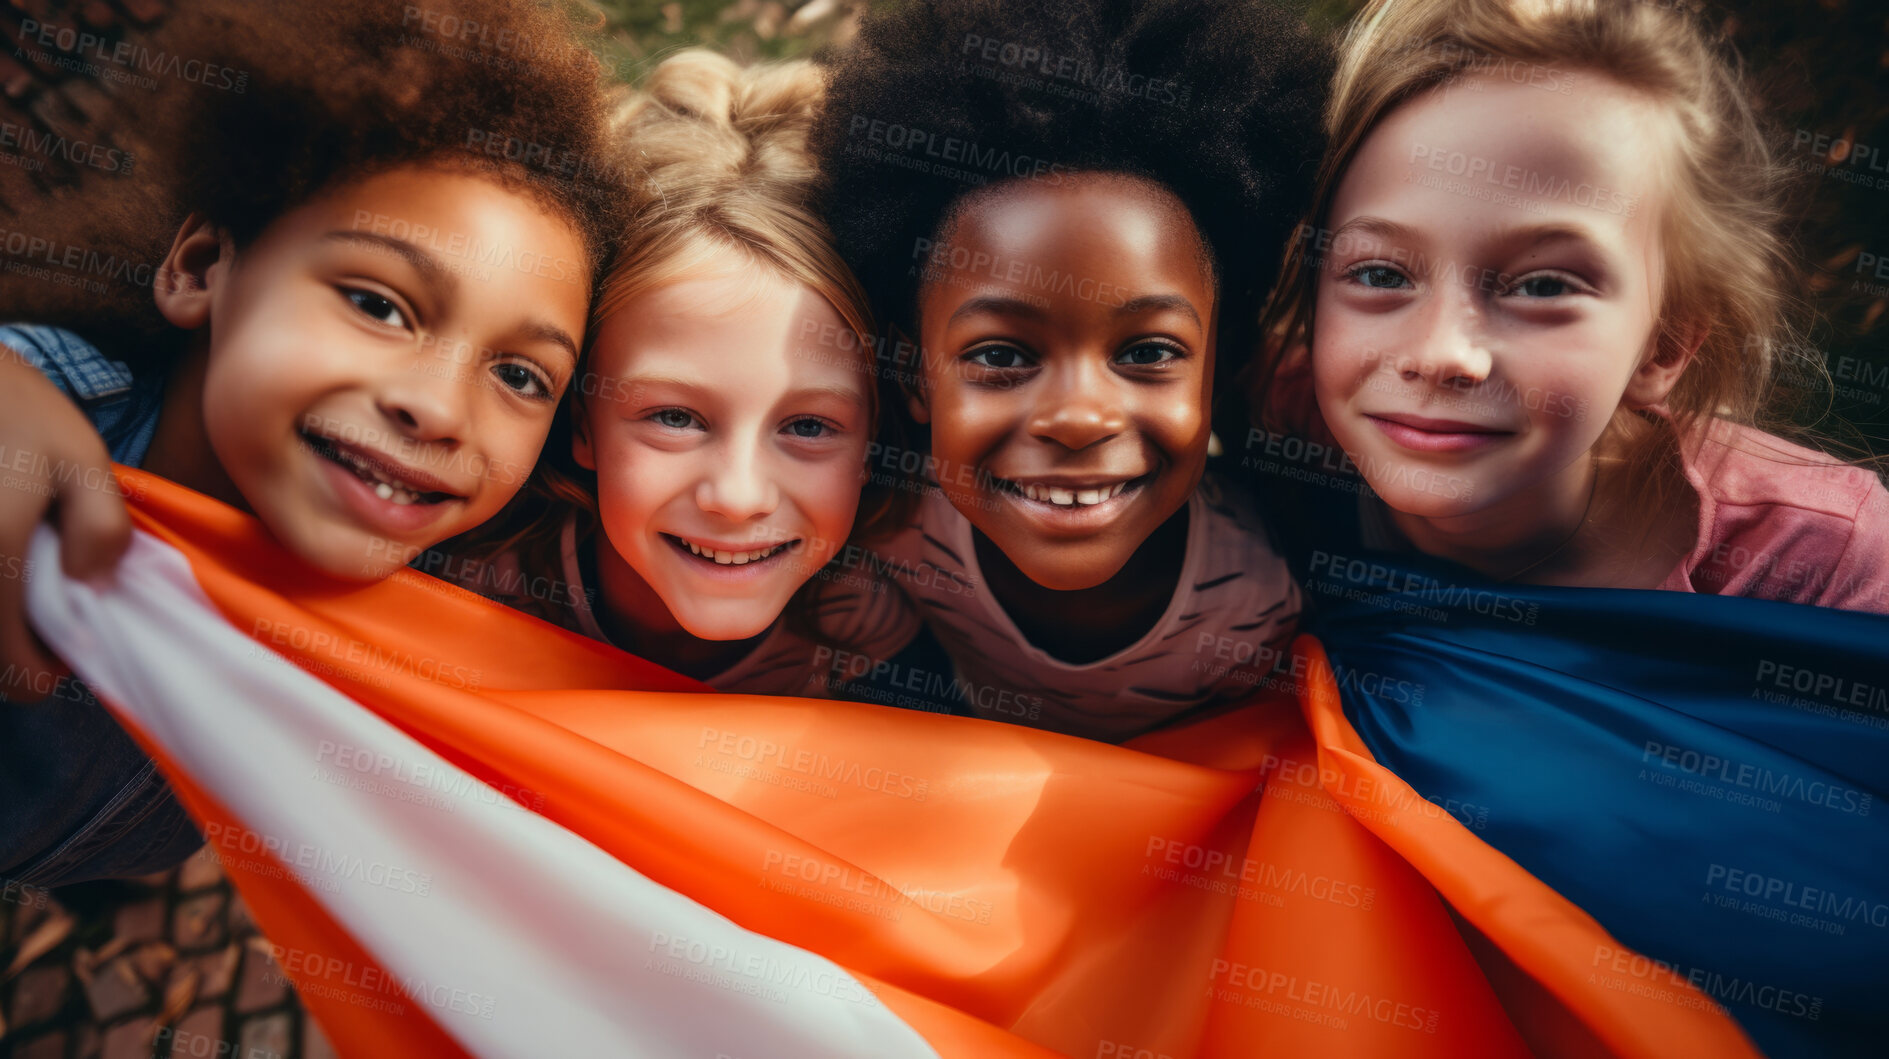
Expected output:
(1780, 521)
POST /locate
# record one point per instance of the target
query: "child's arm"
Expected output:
(52, 464)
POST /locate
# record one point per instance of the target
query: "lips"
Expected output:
(1069, 492)
(724, 555)
(389, 479)
(1424, 434)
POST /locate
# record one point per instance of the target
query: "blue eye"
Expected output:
(673, 418)
(996, 357)
(1377, 277)
(809, 428)
(522, 380)
(1147, 355)
(375, 307)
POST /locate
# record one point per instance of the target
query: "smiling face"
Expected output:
(370, 388)
(1068, 366)
(1490, 293)
(727, 424)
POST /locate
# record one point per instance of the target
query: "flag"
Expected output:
(467, 832)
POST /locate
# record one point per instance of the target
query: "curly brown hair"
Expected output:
(253, 108)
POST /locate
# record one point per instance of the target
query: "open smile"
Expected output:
(381, 493)
(386, 478)
(716, 554)
(1071, 505)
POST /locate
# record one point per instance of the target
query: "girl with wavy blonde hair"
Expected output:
(698, 507)
(1543, 290)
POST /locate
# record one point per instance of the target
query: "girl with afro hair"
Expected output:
(1068, 213)
(382, 243)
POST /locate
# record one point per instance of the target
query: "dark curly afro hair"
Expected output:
(254, 107)
(341, 89)
(1217, 101)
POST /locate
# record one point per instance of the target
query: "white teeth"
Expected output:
(385, 487)
(1072, 497)
(722, 558)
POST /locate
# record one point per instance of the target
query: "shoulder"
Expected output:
(1743, 467)
(76, 366)
(1782, 521)
(860, 607)
(1232, 562)
(937, 537)
(1231, 528)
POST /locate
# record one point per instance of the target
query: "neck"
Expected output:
(1089, 624)
(180, 449)
(1536, 532)
(635, 617)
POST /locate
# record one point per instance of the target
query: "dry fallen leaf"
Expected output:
(44, 938)
(153, 959)
(178, 998)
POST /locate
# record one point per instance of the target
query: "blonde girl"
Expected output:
(714, 462)
(1543, 289)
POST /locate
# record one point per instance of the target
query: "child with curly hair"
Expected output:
(1068, 213)
(1543, 289)
(375, 296)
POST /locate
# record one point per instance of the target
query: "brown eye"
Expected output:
(996, 357)
(522, 379)
(375, 307)
(1148, 355)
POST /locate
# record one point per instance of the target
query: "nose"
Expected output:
(427, 397)
(1081, 406)
(738, 487)
(1448, 349)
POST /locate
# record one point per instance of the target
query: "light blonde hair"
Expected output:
(1730, 269)
(718, 160)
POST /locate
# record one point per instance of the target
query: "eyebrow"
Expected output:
(1160, 303)
(999, 304)
(441, 282)
(674, 382)
(437, 277)
(1374, 226)
(552, 333)
(1531, 233)
(695, 388)
(1546, 232)
(842, 393)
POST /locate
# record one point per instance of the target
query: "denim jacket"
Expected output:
(78, 799)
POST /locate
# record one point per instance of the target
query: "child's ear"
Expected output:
(183, 282)
(911, 382)
(581, 449)
(1656, 376)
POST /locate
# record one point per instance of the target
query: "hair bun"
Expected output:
(700, 120)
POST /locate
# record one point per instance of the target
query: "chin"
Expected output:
(1428, 505)
(1073, 575)
(724, 626)
(348, 555)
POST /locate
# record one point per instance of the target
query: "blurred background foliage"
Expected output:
(1821, 68)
